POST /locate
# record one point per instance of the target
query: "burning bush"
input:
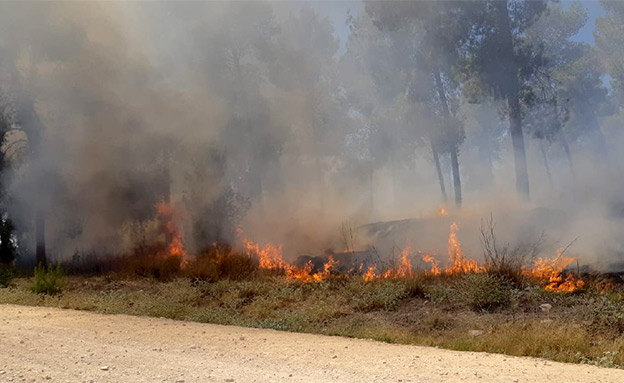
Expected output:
(222, 262)
(150, 261)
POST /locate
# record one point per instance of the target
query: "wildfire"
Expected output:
(442, 211)
(550, 273)
(175, 247)
(434, 269)
(459, 263)
(270, 257)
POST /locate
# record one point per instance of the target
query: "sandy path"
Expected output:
(51, 345)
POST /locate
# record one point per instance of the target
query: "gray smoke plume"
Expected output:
(251, 114)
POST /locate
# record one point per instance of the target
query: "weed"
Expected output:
(48, 281)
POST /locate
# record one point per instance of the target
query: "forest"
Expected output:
(255, 116)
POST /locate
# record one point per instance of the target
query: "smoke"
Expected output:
(244, 114)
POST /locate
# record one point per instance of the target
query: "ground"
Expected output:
(43, 344)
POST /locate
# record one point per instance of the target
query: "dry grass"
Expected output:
(472, 312)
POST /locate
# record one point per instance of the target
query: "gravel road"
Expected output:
(52, 345)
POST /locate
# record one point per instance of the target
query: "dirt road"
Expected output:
(52, 345)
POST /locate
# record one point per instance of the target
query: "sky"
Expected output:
(594, 10)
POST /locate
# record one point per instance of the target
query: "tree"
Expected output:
(609, 37)
(439, 30)
(500, 62)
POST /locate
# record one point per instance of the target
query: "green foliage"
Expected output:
(379, 295)
(7, 273)
(48, 281)
(482, 292)
(605, 316)
(485, 292)
(414, 287)
(7, 244)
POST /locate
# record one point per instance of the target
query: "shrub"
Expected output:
(7, 273)
(414, 287)
(605, 316)
(481, 292)
(505, 260)
(380, 295)
(48, 280)
(150, 261)
(222, 262)
(486, 292)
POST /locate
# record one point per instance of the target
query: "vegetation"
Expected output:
(476, 312)
(7, 273)
(48, 280)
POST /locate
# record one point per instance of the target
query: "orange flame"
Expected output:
(434, 269)
(459, 263)
(270, 257)
(175, 247)
(549, 272)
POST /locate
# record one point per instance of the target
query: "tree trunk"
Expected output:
(436, 161)
(454, 149)
(513, 101)
(371, 185)
(40, 238)
(485, 155)
(546, 165)
(517, 141)
(456, 179)
(566, 149)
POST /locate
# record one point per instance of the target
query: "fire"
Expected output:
(370, 274)
(549, 272)
(175, 247)
(442, 211)
(404, 268)
(459, 263)
(270, 257)
(434, 269)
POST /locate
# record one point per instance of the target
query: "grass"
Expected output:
(478, 312)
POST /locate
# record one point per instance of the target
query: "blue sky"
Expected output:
(594, 10)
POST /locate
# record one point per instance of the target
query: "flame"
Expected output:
(370, 274)
(270, 257)
(459, 263)
(175, 247)
(442, 212)
(434, 269)
(549, 272)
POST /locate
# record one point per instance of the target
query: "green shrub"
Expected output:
(605, 316)
(48, 280)
(481, 292)
(380, 295)
(441, 293)
(414, 287)
(486, 292)
(7, 273)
